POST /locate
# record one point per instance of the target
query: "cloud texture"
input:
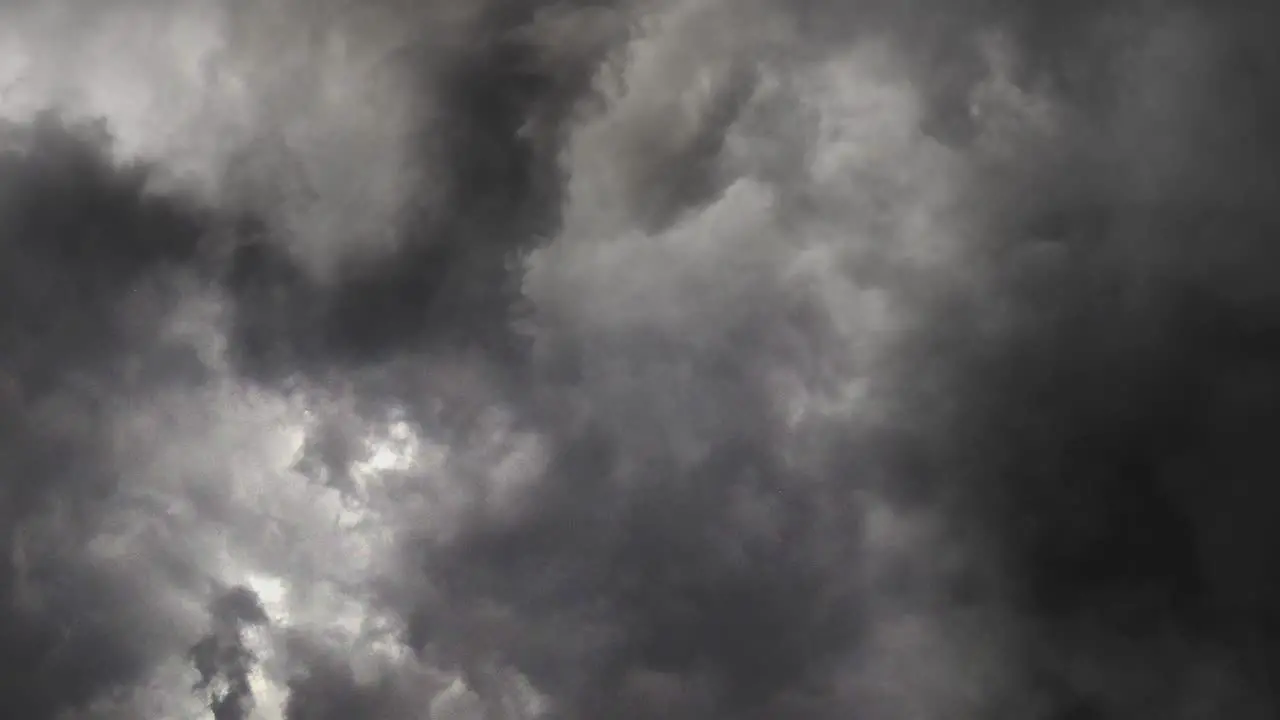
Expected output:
(739, 359)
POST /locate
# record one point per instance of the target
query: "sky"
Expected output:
(591, 359)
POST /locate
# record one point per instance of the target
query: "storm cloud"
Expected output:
(638, 359)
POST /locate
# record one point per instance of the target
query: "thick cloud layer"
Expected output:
(662, 358)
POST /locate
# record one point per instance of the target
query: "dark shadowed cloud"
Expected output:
(648, 359)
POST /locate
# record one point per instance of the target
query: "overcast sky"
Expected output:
(578, 360)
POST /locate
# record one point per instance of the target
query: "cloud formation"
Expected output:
(637, 359)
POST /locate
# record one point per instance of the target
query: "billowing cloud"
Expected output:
(638, 359)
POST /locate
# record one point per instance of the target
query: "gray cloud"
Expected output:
(637, 359)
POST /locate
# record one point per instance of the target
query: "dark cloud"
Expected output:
(727, 360)
(80, 236)
(221, 655)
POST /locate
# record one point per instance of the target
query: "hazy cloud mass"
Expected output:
(639, 359)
